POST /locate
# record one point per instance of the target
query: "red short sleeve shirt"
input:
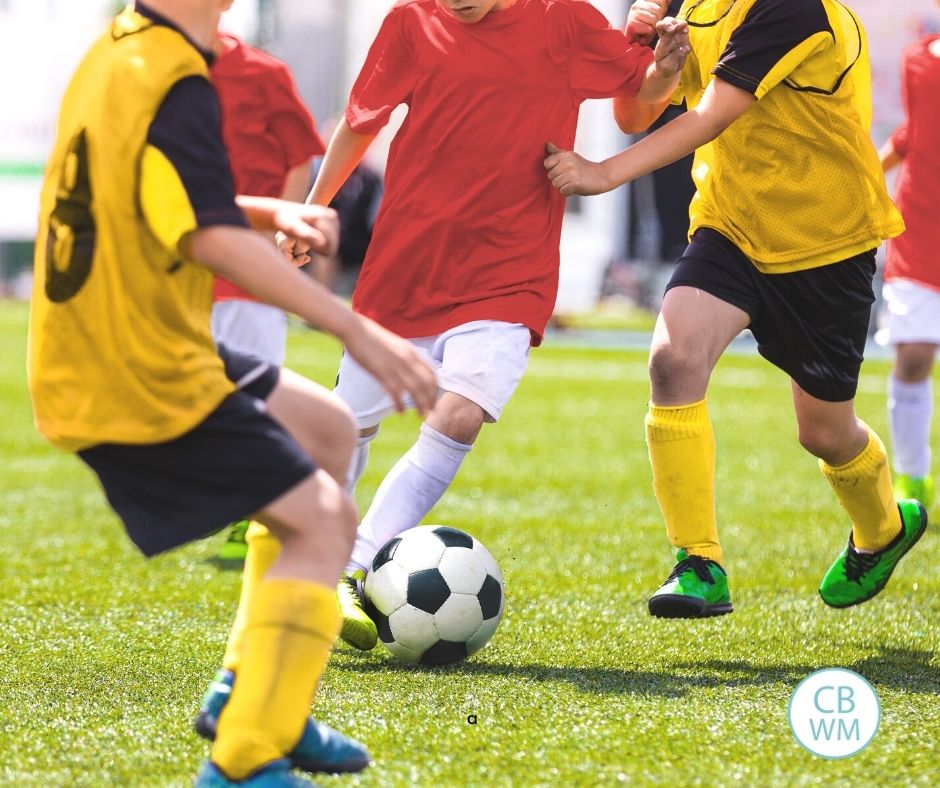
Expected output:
(469, 224)
(266, 126)
(913, 254)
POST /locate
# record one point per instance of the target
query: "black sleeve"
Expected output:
(771, 30)
(187, 129)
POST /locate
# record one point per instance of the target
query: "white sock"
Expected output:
(357, 465)
(910, 407)
(408, 492)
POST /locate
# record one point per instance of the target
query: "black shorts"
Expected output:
(233, 464)
(813, 324)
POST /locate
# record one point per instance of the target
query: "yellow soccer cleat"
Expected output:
(358, 629)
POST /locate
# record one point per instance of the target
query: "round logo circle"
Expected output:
(834, 712)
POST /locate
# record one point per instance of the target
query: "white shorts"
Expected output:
(911, 313)
(482, 361)
(251, 327)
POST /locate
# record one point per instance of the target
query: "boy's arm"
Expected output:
(721, 104)
(297, 182)
(894, 150)
(889, 157)
(248, 260)
(636, 113)
(344, 152)
(316, 228)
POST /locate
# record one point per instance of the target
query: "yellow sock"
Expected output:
(682, 452)
(290, 628)
(263, 550)
(863, 487)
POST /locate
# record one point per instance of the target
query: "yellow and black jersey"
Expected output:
(120, 349)
(794, 182)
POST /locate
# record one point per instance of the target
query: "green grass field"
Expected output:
(103, 656)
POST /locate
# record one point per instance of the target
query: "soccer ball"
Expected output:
(435, 594)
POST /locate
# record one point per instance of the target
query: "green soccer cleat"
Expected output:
(696, 588)
(235, 549)
(857, 577)
(276, 774)
(358, 629)
(919, 488)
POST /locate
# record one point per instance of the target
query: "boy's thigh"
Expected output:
(364, 395)
(911, 314)
(230, 466)
(813, 324)
(483, 361)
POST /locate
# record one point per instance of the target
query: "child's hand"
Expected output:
(642, 19)
(573, 174)
(672, 48)
(394, 362)
(312, 226)
(296, 252)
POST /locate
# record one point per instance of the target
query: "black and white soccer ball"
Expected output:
(435, 594)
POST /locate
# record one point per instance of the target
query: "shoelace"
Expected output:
(697, 564)
(857, 564)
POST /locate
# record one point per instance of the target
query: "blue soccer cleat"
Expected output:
(276, 774)
(320, 749)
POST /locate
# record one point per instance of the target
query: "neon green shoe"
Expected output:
(857, 577)
(235, 549)
(920, 488)
(696, 588)
(358, 629)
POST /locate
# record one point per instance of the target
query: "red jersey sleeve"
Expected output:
(601, 62)
(386, 80)
(291, 121)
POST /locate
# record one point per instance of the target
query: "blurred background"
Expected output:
(616, 248)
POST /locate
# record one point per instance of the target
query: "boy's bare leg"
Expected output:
(418, 480)
(854, 462)
(691, 333)
(321, 422)
(323, 426)
(407, 493)
(290, 624)
(287, 621)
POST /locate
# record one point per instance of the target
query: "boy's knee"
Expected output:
(458, 418)
(914, 363)
(830, 443)
(677, 372)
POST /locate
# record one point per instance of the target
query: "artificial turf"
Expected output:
(104, 656)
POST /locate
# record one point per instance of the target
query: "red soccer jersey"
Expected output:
(913, 254)
(266, 126)
(470, 224)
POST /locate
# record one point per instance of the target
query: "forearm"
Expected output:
(634, 116)
(344, 152)
(656, 87)
(297, 182)
(889, 157)
(248, 260)
(260, 211)
(676, 139)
